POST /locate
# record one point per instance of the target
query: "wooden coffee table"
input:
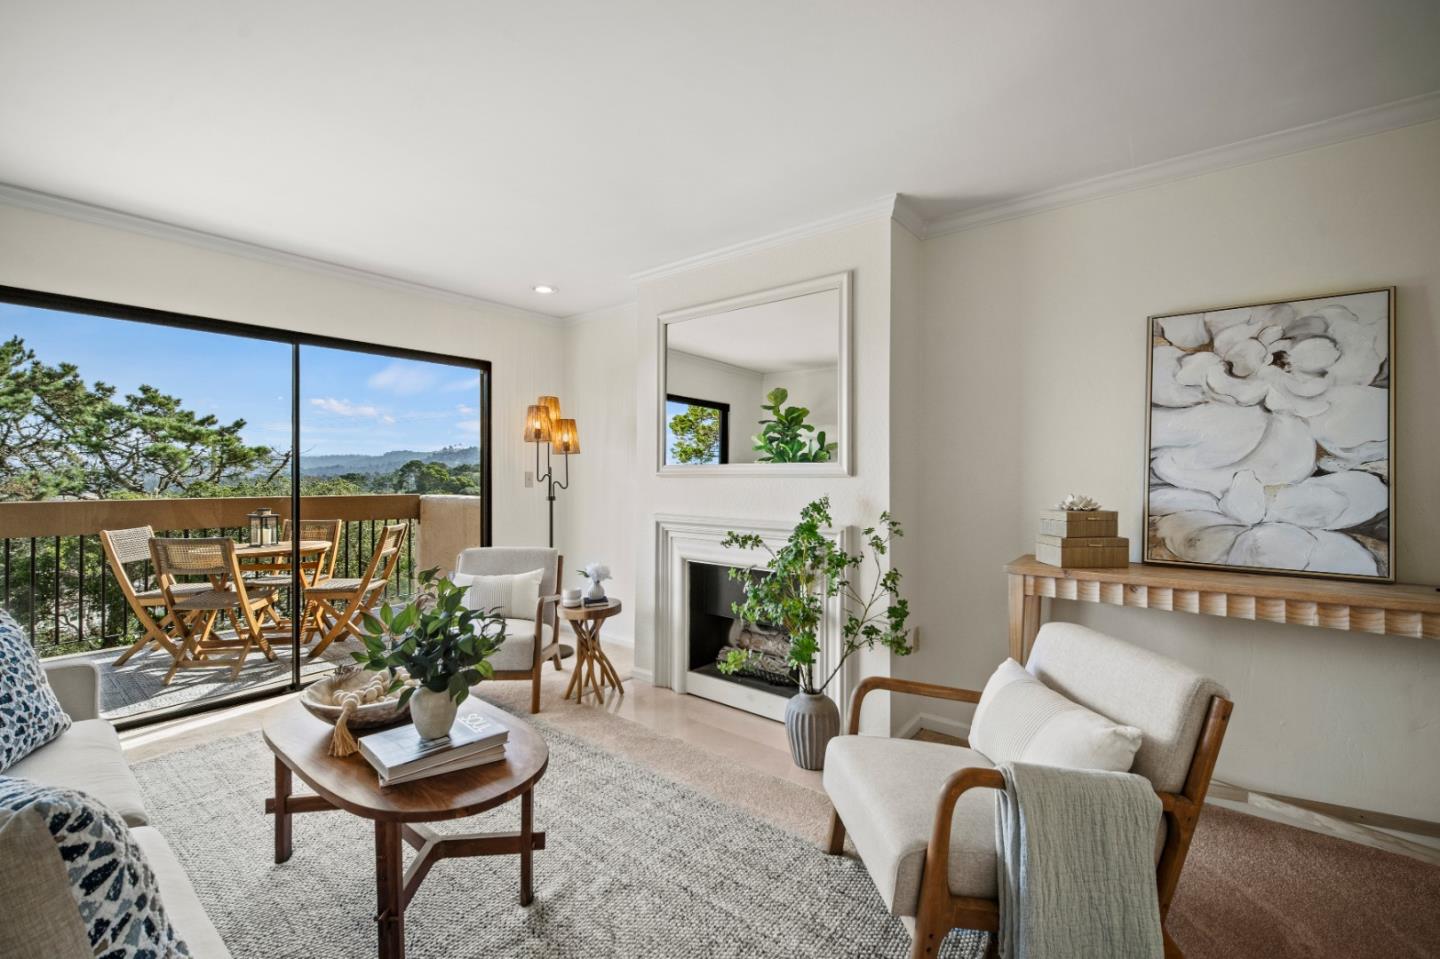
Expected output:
(300, 743)
(589, 657)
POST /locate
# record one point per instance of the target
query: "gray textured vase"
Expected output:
(811, 721)
(433, 713)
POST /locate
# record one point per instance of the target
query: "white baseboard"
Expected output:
(644, 675)
(959, 728)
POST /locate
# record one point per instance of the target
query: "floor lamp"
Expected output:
(545, 427)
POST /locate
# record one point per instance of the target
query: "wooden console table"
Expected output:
(1400, 610)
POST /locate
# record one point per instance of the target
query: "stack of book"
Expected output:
(399, 755)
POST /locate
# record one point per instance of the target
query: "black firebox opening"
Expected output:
(714, 629)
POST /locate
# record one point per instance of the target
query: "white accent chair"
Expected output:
(528, 642)
(925, 830)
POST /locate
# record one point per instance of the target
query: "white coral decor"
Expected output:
(1077, 502)
(1269, 434)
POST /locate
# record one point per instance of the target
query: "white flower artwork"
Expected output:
(1269, 437)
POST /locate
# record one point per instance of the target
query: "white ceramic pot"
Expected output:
(596, 590)
(433, 713)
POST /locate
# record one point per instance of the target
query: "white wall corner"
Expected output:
(936, 723)
(905, 214)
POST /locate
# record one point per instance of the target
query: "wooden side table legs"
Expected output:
(1024, 619)
(591, 660)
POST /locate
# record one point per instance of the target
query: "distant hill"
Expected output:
(341, 463)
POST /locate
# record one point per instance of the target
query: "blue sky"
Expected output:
(350, 402)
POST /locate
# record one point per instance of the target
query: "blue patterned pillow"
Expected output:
(114, 887)
(30, 715)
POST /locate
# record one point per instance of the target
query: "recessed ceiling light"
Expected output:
(544, 289)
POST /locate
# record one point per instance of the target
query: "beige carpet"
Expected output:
(1251, 887)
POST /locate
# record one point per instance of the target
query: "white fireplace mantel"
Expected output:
(681, 540)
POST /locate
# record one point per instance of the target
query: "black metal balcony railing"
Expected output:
(56, 582)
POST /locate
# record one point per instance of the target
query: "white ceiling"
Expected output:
(484, 147)
(799, 333)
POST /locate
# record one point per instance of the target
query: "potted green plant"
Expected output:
(785, 436)
(444, 646)
(802, 574)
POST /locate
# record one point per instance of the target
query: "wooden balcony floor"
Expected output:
(137, 686)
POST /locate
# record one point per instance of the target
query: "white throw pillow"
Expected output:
(1020, 719)
(515, 594)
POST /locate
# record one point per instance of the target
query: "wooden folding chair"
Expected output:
(124, 547)
(338, 603)
(312, 572)
(195, 612)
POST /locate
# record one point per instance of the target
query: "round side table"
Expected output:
(591, 664)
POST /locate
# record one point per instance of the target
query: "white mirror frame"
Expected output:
(842, 464)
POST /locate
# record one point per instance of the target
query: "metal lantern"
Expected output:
(264, 527)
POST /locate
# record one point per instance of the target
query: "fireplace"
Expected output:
(715, 631)
(693, 622)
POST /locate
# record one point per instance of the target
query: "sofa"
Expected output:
(87, 757)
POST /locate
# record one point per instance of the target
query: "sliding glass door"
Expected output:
(122, 429)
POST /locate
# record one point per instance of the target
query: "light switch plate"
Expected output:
(529, 479)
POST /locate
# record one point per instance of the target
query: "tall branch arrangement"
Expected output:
(802, 574)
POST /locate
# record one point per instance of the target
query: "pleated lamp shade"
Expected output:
(537, 424)
(564, 436)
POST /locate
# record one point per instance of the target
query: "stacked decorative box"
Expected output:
(1081, 539)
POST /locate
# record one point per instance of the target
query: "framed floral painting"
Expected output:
(1269, 435)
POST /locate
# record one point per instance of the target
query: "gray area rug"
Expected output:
(635, 865)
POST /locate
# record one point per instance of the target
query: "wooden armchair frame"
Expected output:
(939, 911)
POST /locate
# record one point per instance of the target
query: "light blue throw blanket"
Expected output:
(1076, 851)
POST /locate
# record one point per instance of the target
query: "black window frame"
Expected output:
(296, 340)
(722, 408)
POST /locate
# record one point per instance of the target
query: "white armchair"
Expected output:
(922, 818)
(528, 641)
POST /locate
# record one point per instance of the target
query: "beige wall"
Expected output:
(595, 521)
(857, 499)
(1034, 359)
(41, 251)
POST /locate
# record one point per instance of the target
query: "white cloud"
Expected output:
(465, 410)
(464, 383)
(403, 377)
(347, 408)
(468, 426)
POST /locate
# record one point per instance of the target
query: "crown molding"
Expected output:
(27, 199)
(907, 216)
(1349, 126)
(884, 207)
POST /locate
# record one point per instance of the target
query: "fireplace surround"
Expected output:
(693, 593)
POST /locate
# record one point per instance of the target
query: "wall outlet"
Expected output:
(529, 479)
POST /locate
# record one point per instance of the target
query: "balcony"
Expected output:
(54, 579)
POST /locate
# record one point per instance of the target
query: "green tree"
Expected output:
(62, 437)
(697, 435)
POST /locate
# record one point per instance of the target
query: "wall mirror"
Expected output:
(758, 383)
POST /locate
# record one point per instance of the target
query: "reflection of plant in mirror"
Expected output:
(784, 438)
(697, 435)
